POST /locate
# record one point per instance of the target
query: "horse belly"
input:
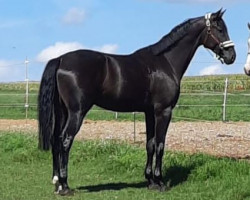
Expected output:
(124, 103)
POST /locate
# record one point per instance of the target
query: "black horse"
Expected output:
(147, 80)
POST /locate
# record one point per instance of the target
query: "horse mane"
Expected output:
(176, 34)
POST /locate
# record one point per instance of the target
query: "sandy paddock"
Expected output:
(230, 139)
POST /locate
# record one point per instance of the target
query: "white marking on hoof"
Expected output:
(59, 188)
(55, 180)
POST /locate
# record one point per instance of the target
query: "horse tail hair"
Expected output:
(46, 104)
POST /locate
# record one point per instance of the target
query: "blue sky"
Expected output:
(41, 30)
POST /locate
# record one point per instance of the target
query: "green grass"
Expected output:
(108, 170)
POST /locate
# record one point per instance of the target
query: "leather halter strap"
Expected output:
(222, 45)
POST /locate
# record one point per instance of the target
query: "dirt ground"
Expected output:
(230, 139)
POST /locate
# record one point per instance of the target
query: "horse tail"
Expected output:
(46, 104)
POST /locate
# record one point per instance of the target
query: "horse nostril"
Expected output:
(233, 58)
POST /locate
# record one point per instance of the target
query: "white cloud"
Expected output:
(60, 48)
(74, 16)
(57, 49)
(212, 70)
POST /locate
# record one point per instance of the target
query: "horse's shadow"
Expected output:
(173, 177)
(111, 186)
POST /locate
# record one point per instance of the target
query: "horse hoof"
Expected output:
(152, 186)
(160, 187)
(66, 192)
(63, 192)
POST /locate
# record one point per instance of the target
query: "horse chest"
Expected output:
(164, 89)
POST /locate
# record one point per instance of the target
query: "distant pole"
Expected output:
(225, 100)
(134, 128)
(26, 62)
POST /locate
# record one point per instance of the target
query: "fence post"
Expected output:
(134, 128)
(26, 62)
(225, 100)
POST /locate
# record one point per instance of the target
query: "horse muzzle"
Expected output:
(228, 56)
(247, 70)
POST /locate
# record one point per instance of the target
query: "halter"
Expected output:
(222, 45)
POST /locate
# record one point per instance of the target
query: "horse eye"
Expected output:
(219, 29)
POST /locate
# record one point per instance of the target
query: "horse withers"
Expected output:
(147, 81)
(247, 65)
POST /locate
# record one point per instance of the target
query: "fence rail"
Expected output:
(225, 94)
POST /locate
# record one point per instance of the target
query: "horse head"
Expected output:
(247, 65)
(215, 37)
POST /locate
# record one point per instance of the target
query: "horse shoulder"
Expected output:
(164, 88)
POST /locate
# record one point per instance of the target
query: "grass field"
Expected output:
(201, 99)
(108, 170)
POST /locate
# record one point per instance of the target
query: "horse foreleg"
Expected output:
(162, 122)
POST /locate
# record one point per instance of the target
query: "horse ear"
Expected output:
(219, 14)
(222, 13)
(248, 25)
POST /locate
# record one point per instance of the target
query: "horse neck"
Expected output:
(181, 54)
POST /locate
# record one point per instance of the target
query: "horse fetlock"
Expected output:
(63, 189)
(58, 187)
(158, 175)
(148, 173)
(55, 180)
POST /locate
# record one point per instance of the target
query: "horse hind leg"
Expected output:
(71, 128)
(76, 108)
(60, 120)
